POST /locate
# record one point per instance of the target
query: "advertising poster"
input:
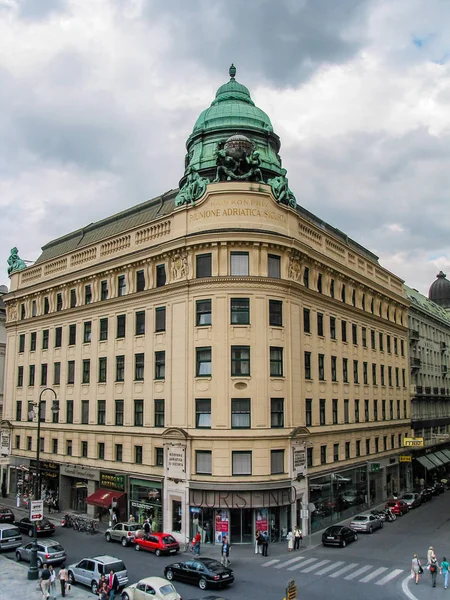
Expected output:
(261, 520)
(221, 525)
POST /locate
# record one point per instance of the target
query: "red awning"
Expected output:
(103, 497)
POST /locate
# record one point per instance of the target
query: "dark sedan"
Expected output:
(337, 535)
(437, 488)
(205, 572)
(44, 526)
(7, 515)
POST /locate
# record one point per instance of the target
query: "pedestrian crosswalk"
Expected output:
(328, 568)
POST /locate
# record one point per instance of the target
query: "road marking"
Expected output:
(303, 564)
(271, 562)
(373, 575)
(406, 589)
(319, 564)
(330, 568)
(389, 576)
(344, 570)
(289, 562)
(358, 572)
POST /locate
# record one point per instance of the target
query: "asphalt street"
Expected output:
(375, 567)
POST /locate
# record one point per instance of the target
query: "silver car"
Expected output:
(49, 551)
(89, 570)
(366, 523)
(123, 533)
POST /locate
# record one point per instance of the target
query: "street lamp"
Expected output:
(33, 571)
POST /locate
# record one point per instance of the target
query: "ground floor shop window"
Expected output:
(202, 520)
(145, 502)
(78, 497)
(177, 516)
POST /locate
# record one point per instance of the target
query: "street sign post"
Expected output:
(36, 510)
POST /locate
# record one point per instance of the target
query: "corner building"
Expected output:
(224, 360)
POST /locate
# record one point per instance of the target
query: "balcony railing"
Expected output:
(444, 369)
(414, 362)
(413, 335)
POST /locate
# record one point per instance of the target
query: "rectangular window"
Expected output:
(140, 281)
(203, 462)
(276, 362)
(138, 413)
(320, 324)
(364, 337)
(69, 447)
(160, 365)
(391, 410)
(240, 361)
(120, 368)
(355, 371)
(388, 343)
(160, 275)
(101, 451)
(22, 342)
(308, 412)
(43, 374)
(104, 290)
(73, 298)
(71, 372)
(322, 411)
(203, 263)
(323, 455)
(84, 449)
(372, 340)
(45, 337)
(321, 365)
(139, 367)
(306, 320)
(307, 365)
(347, 450)
(275, 313)
(203, 413)
(405, 411)
(276, 412)
(20, 376)
(58, 337)
(121, 286)
(345, 370)
(404, 377)
(333, 328)
(383, 410)
(355, 334)
(333, 368)
(203, 312)
(85, 412)
(390, 376)
(356, 411)
(240, 413)
(366, 411)
(139, 323)
(309, 457)
(101, 412)
(335, 411)
(138, 455)
(239, 263)
(159, 457)
(119, 412)
(358, 448)
(72, 335)
(380, 342)
(382, 374)
(86, 371)
(346, 412)
(69, 411)
(160, 318)
(241, 463)
(87, 332)
(33, 341)
(33, 308)
(46, 306)
(368, 446)
(54, 446)
(365, 373)
(119, 452)
(332, 288)
(203, 362)
(374, 373)
(402, 347)
(377, 445)
(397, 378)
(276, 462)
(240, 311)
(159, 413)
(59, 302)
(395, 346)
(87, 294)
(375, 410)
(18, 410)
(102, 369)
(306, 277)
(103, 329)
(121, 326)
(319, 283)
(344, 330)
(274, 266)
(336, 452)
(43, 410)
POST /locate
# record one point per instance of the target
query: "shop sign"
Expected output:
(47, 468)
(80, 471)
(36, 510)
(374, 467)
(417, 442)
(110, 481)
(248, 499)
(405, 458)
(5, 443)
(221, 525)
(176, 461)
(299, 459)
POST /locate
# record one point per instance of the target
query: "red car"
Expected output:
(398, 507)
(159, 543)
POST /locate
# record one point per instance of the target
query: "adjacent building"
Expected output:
(224, 360)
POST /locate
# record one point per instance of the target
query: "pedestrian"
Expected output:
(63, 577)
(416, 568)
(113, 584)
(258, 547)
(45, 582)
(131, 519)
(265, 543)
(197, 540)
(298, 536)
(433, 568)
(225, 554)
(290, 540)
(444, 571)
(102, 581)
(147, 528)
(52, 581)
(103, 592)
(430, 553)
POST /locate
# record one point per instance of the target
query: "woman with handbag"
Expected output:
(416, 568)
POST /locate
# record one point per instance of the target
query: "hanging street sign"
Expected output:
(416, 442)
(36, 510)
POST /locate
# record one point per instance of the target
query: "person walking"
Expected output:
(52, 581)
(45, 582)
(197, 541)
(258, 547)
(433, 568)
(416, 568)
(430, 553)
(298, 536)
(265, 543)
(290, 540)
(225, 553)
(63, 576)
(113, 584)
(444, 571)
(101, 582)
(147, 529)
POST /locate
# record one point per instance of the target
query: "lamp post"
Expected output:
(33, 571)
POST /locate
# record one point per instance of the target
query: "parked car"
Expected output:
(159, 543)
(156, 587)
(10, 537)
(366, 523)
(44, 526)
(426, 494)
(412, 499)
(398, 507)
(88, 571)
(49, 551)
(437, 488)
(123, 533)
(7, 515)
(205, 572)
(338, 535)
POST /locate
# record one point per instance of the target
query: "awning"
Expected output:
(446, 452)
(103, 498)
(442, 456)
(426, 463)
(435, 460)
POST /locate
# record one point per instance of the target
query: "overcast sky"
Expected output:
(98, 97)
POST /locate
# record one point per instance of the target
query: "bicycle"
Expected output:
(92, 527)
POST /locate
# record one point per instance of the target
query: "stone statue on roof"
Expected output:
(281, 190)
(193, 189)
(15, 263)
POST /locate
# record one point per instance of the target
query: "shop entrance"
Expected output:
(78, 497)
(241, 526)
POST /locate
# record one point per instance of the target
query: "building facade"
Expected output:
(224, 360)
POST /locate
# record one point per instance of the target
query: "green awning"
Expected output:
(442, 457)
(435, 460)
(446, 452)
(425, 462)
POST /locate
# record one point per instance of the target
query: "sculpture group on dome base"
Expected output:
(193, 189)
(15, 263)
(281, 190)
(237, 160)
